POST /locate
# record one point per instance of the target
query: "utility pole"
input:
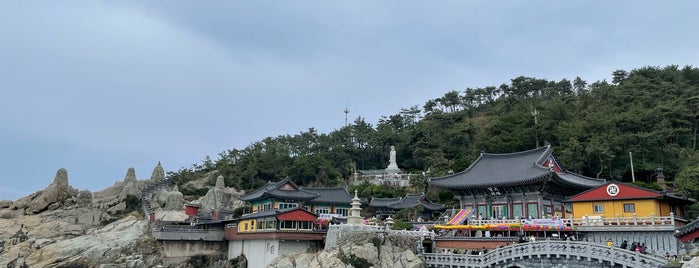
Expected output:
(633, 177)
(535, 114)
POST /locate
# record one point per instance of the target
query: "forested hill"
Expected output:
(652, 112)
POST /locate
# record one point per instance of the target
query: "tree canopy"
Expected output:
(652, 112)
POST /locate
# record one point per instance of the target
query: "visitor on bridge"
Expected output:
(624, 245)
(610, 243)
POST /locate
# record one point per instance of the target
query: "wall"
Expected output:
(174, 249)
(258, 252)
(644, 207)
(657, 242)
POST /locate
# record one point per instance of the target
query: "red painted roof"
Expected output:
(297, 215)
(616, 191)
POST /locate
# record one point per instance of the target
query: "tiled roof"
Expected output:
(511, 169)
(413, 200)
(334, 195)
(409, 201)
(383, 202)
(272, 189)
(690, 227)
(273, 213)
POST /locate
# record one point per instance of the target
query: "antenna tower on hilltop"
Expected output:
(346, 112)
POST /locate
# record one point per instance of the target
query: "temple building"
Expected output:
(391, 175)
(529, 184)
(620, 200)
(325, 202)
(386, 207)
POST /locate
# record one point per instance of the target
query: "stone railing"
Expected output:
(563, 251)
(188, 234)
(379, 229)
(601, 221)
(590, 220)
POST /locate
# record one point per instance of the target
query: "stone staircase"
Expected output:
(148, 194)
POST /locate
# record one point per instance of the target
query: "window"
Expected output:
(322, 210)
(533, 211)
(342, 211)
(598, 208)
(288, 224)
(517, 210)
(267, 207)
(629, 208)
(287, 205)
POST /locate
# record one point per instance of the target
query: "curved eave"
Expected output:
(539, 178)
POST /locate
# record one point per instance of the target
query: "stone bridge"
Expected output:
(548, 253)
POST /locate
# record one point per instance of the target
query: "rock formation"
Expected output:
(131, 186)
(220, 197)
(61, 226)
(167, 200)
(158, 174)
(57, 194)
(361, 248)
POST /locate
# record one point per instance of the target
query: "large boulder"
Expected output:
(220, 197)
(5, 204)
(158, 173)
(167, 200)
(374, 249)
(131, 186)
(55, 195)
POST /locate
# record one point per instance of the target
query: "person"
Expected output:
(532, 239)
(667, 255)
(633, 246)
(624, 245)
(610, 243)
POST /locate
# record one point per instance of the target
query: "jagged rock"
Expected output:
(84, 198)
(220, 182)
(220, 197)
(175, 201)
(117, 209)
(5, 204)
(55, 194)
(158, 173)
(395, 251)
(167, 200)
(101, 244)
(130, 185)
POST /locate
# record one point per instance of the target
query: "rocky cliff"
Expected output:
(361, 249)
(61, 226)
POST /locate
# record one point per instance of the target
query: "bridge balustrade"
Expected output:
(566, 250)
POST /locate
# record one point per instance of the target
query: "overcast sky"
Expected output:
(97, 87)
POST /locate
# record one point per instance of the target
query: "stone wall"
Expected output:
(657, 242)
(175, 249)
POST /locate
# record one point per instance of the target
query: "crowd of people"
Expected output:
(635, 246)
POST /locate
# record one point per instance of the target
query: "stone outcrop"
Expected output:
(158, 174)
(220, 197)
(58, 193)
(5, 204)
(131, 186)
(362, 247)
(107, 244)
(167, 200)
(64, 227)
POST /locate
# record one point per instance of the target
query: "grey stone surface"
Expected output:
(56, 194)
(5, 204)
(158, 173)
